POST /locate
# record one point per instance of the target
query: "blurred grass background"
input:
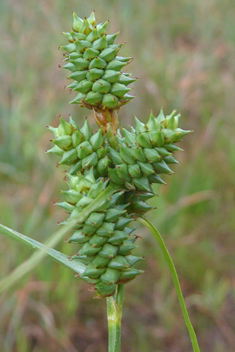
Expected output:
(184, 58)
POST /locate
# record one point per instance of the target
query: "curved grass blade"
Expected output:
(174, 275)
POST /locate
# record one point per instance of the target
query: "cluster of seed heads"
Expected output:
(133, 160)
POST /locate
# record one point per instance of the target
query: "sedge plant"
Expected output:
(109, 176)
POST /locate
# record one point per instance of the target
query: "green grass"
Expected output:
(184, 58)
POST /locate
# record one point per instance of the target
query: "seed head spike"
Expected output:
(132, 159)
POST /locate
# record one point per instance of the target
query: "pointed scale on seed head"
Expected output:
(77, 22)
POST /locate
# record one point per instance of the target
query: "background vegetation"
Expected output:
(184, 58)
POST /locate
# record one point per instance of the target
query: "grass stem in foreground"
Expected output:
(174, 275)
(114, 315)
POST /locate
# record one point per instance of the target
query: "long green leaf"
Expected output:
(175, 278)
(57, 256)
(46, 249)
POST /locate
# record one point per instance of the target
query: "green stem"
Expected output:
(114, 315)
(174, 275)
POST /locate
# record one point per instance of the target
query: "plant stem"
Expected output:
(174, 275)
(114, 315)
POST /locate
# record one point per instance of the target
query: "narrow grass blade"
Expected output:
(46, 249)
(35, 259)
(174, 275)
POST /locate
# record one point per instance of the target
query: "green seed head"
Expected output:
(91, 55)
